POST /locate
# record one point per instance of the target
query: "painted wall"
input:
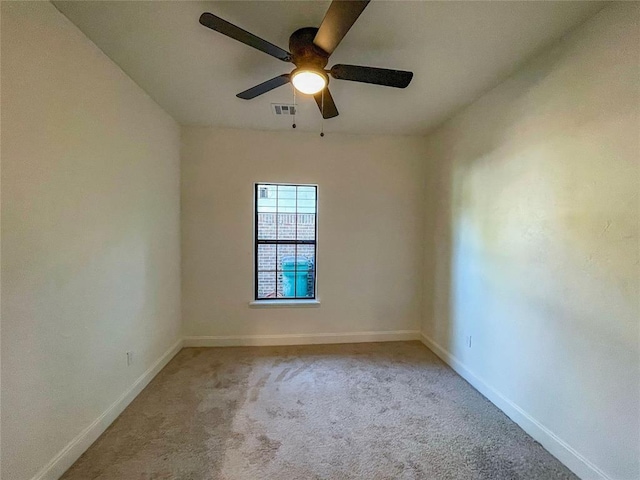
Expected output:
(536, 252)
(370, 229)
(90, 234)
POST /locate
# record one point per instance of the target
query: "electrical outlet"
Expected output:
(129, 359)
(469, 341)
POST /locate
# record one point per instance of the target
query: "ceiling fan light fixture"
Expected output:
(310, 51)
(308, 81)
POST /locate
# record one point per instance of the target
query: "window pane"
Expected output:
(286, 254)
(266, 284)
(306, 200)
(307, 252)
(279, 284)
(266, 258)
(266, 226)
(286, 226)
(311, 283)
(267, 198)
(306, 270)
(306, 226)
(286, 201)
(306, 192)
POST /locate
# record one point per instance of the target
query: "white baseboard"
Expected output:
(555, 445)
(69, 454)
(301, 339)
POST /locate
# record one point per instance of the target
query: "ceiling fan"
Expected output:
(310, 50)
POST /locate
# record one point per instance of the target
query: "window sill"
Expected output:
(284, 303)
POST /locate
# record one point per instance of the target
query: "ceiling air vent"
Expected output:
(283, 109)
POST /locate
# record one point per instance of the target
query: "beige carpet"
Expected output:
(363, 411)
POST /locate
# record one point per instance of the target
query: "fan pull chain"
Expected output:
(322, 111)
(295, 107)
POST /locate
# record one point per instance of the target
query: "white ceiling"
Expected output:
(457, 51)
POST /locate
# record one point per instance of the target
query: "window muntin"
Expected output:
(285, 241)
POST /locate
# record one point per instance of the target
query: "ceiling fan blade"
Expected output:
(341, 15)
(264, 87)
(378, 76)
(230, 30)
(326, 105)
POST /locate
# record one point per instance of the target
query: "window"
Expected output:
(285, 241)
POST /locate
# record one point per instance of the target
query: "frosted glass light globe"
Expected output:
(308, 81)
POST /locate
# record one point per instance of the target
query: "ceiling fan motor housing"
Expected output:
(303, 51)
